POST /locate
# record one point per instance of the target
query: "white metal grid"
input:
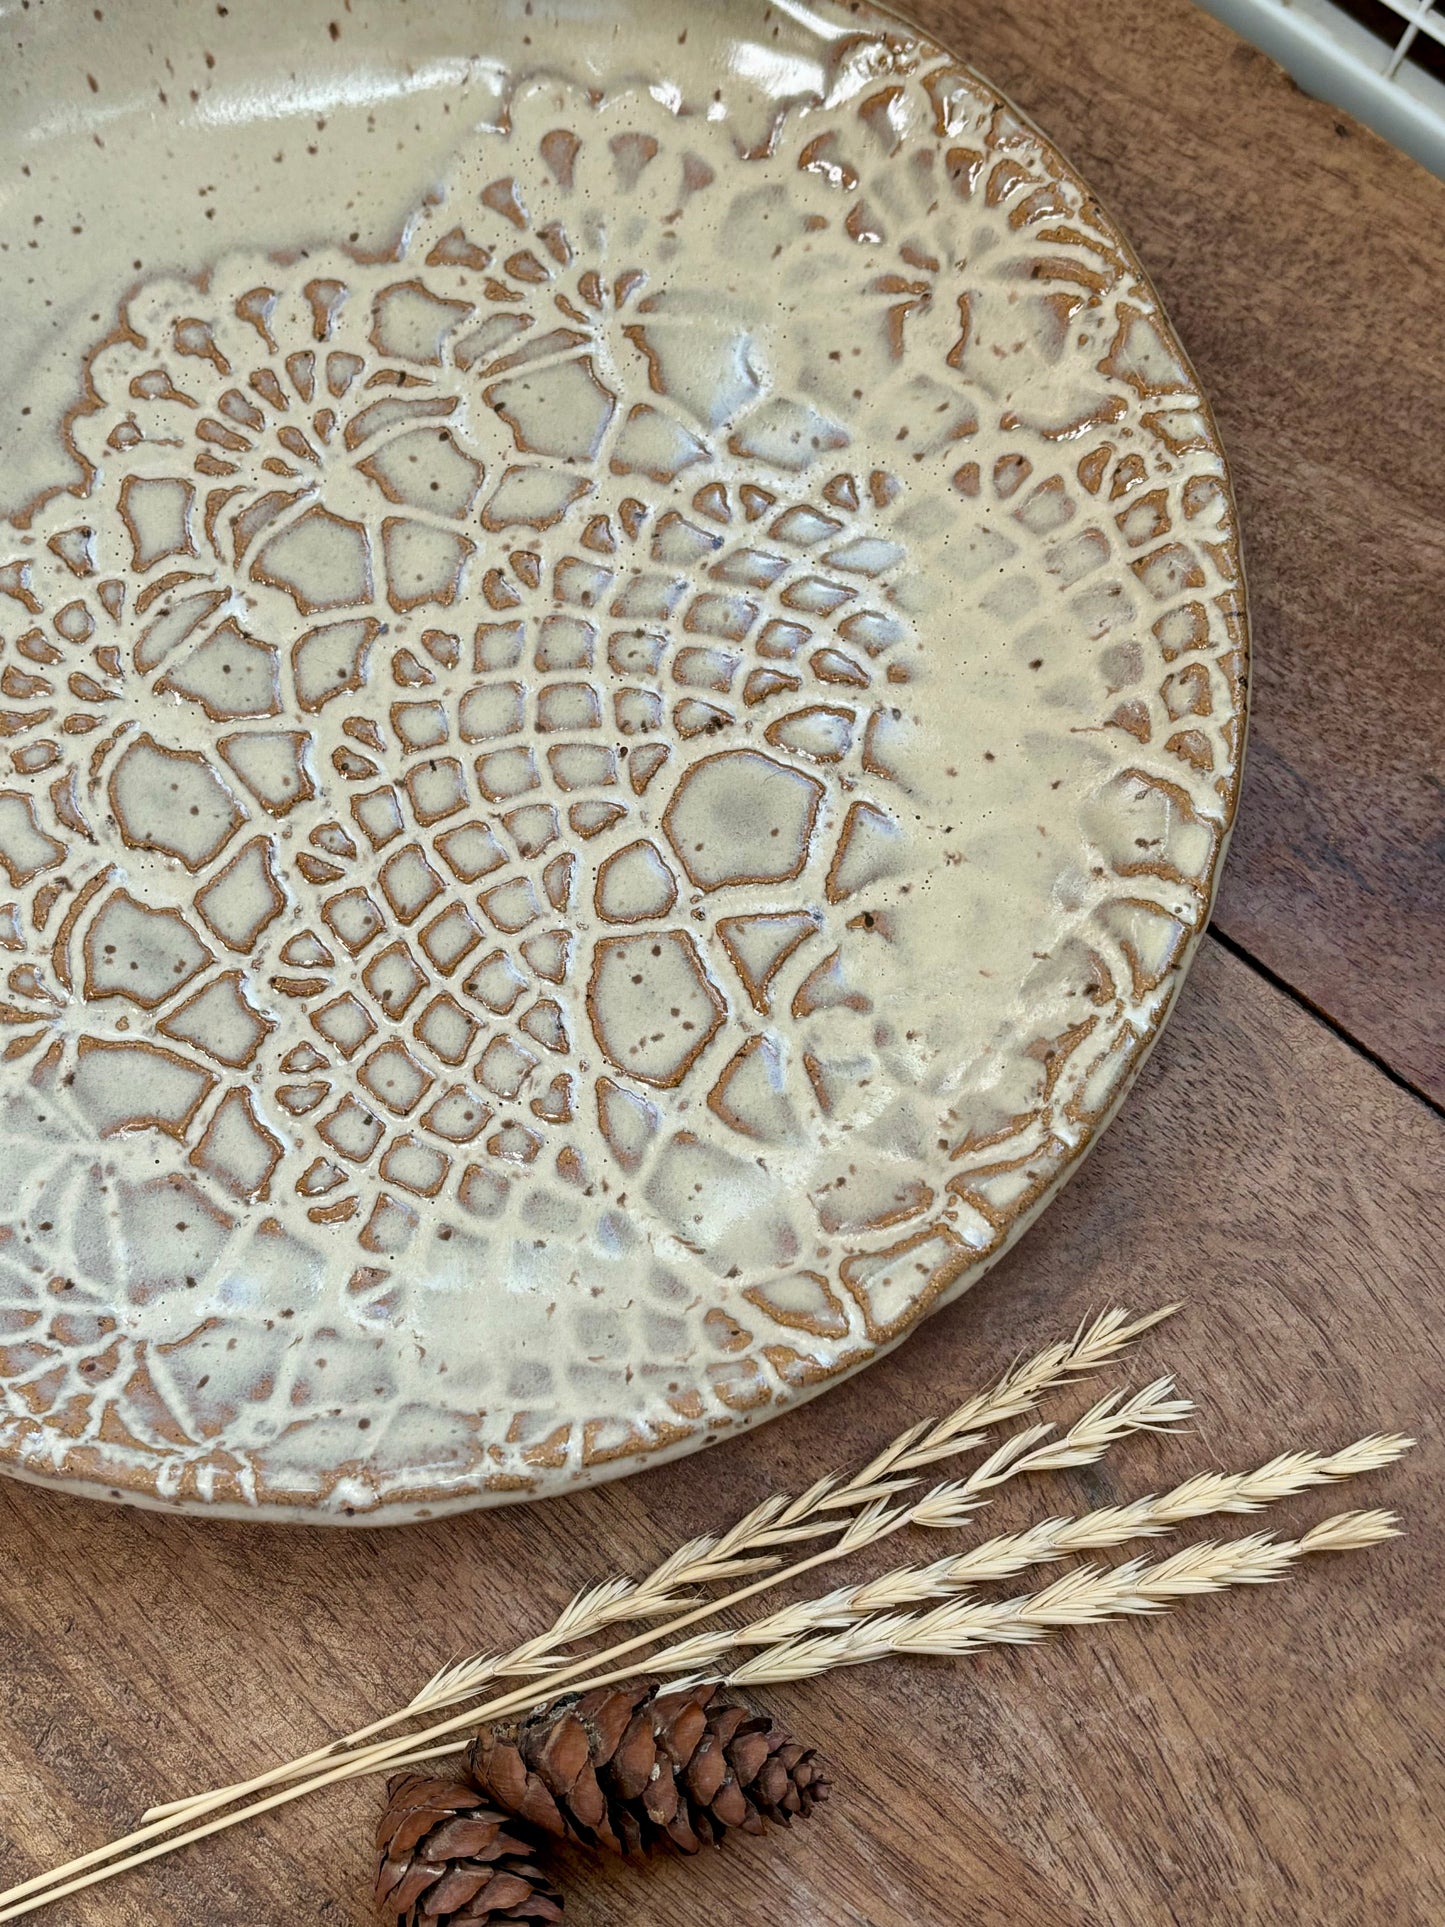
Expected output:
(1421, 17)
(1379, 80)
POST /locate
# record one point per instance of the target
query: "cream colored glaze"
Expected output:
(420, 1090)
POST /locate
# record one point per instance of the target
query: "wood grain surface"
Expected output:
(1269, 1758)
(1303, 263)
(1262, 1758)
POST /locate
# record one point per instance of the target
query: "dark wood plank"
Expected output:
(1302, 261)
(1263, 1758)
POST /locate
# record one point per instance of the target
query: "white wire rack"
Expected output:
(1379, 71)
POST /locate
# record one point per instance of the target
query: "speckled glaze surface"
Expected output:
(622, 655)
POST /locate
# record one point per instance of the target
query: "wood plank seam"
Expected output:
(1272, 977)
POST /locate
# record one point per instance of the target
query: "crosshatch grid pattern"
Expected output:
(595, 409)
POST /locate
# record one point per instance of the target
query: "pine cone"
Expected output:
(636, 1769)
(448, 1859)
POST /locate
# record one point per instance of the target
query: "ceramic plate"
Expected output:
(623, 661)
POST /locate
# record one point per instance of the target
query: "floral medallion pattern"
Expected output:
(465, 796)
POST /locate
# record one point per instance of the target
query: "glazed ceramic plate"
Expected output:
(623, 662)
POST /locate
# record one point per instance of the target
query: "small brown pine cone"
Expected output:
(449, 1859)
(637, 1769)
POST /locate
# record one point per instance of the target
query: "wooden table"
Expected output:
(1267, 1758)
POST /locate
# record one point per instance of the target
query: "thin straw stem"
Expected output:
(1087, 1596)
(1209, 1493)
(778, 1521)
(25, 1899)
(1152, 1409)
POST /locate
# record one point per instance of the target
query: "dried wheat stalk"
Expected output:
(1085, 1596)
(1155, 1408)
(943, 1507)
(869, 1496)
(748, 1547)
(779, 1520)
(1208, 1494)
(1082, 1597)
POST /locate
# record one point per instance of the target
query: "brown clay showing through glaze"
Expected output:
(595, 808)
